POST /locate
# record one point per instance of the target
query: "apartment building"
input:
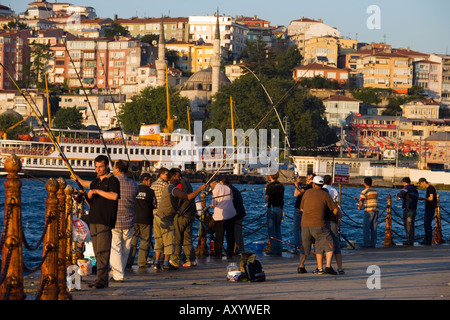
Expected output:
(421, 109)
(14, 54)
(192, 56)
(428, 75)
(303, 29)
(320, 69)
(445, 89)
(232, 34)
(257, 29)
(338, 108)
(388, 133)
(103, 63)
(386, 70)
(86, 28)
(105, 107)
(321, 50)
(174, 28)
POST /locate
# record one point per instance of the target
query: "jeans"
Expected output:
(409, 215)
(297, 228)
(428, 220)
(370, 229)
(274, 216)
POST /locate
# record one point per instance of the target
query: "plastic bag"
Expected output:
(80, 231)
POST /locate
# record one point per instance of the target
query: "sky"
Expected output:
(422, 26)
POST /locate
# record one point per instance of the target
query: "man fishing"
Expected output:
(103, 198)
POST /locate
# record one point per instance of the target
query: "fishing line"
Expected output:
(47, 130)
(87, 99)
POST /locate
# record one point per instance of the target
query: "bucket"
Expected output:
(258, 246)
(234, 276)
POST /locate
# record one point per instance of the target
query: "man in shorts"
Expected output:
(314, 205)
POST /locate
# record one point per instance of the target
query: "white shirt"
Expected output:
(333, 192)
(223, 203)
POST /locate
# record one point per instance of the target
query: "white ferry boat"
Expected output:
(173, 150)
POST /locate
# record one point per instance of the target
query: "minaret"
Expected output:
(161, 63)
(215, 61)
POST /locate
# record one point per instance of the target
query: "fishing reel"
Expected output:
(78, 196)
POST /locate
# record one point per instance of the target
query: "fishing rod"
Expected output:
(114, 106)
(46, 129)
(87, 99)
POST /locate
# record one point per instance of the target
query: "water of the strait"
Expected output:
(34, 195)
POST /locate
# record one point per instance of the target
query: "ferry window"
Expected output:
(163, 152)
(78, 162)
(142, 151)
(114, 150)
(84, 163)
(147, 152)
(153, 152)
(92, 149)
(184, 152)
(158, 152)
(98, 149)
(86, 149)
(131, 151)
(34, 161)
(80, 149)
(60, 162)
(120, 150)
(168, 152)
(109, 150)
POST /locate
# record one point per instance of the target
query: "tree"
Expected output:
(8, 120)
(150, 107)
(68, 118)
(34, 70)
(305, 113)
(116, 29)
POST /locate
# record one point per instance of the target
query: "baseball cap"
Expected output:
(318, 180)
(145, 176)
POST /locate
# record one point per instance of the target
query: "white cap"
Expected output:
(318, 180)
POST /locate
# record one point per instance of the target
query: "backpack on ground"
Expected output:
(254, 270)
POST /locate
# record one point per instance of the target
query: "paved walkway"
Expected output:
(406, 273)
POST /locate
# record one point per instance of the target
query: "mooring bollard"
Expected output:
(12, 259)
(437, 239)
(62, 283)
(49, 269)
(388, 237)
(69, 226)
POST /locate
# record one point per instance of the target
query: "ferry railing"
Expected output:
(56, 239)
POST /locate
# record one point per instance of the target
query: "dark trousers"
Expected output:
(428, 221)
(409, 215)
(221, 227)
(143, 234)
(101, 242)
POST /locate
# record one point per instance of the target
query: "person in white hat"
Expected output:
(314, 205)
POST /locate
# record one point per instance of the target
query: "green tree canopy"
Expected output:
(68, 118)
(8, 120)
(308, 129)
(150, 107)
(116, 29)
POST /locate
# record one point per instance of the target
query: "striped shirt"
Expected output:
(369, 199)
(158, 187)
(125, 211)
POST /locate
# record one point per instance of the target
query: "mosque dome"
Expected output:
(201, 80)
